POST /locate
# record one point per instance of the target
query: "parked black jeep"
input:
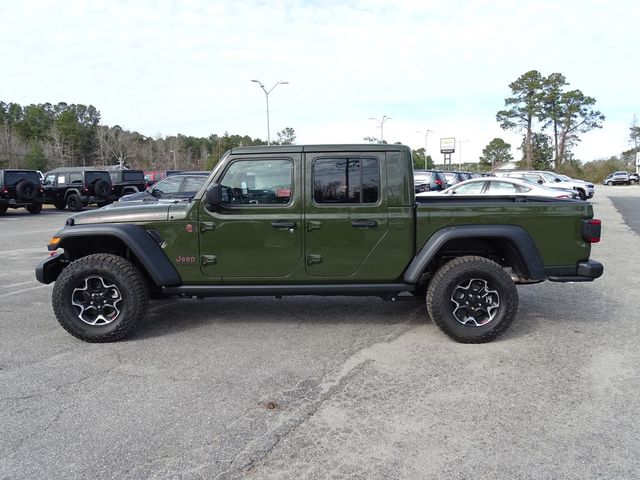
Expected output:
(20, 188)
(126, 182)
(77, 187)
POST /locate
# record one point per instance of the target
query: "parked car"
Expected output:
(634, 178)
(617, 178)
(456, 177)
(500, 186)
(590, 189)
(429, 180)
(177, 186)
(20, 188)
(156, 176)
(126, 182)
(78, 187)
(552, 180)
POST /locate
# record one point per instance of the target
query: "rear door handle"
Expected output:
(283, 225)
(364, 224)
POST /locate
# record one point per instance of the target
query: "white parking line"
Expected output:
(23, 290)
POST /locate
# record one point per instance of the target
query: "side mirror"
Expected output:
(213, 196)
(558, 180)
(540, 182)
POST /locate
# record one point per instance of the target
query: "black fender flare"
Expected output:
(517, 235)
(141, 243)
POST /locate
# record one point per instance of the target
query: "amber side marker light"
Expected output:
(53, 243)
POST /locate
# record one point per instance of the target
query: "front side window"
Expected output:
(346, 180)
(258, 182)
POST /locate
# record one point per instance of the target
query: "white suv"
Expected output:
(549, 179)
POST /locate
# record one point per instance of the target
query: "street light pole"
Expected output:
(381, 124)
(460, 151)
(426, 134)
(266, 94)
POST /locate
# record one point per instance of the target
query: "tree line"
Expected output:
(46, 136)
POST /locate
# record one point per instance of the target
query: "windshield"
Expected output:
(550, 177)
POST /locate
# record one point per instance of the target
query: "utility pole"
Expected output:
(266, 94)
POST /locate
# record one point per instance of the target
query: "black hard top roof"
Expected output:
(366, 147)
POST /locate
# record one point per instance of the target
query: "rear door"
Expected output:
(345, 211)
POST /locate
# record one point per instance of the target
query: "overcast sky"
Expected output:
(163, 68)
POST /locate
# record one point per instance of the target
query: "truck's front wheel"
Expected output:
(100, 298)
(472, 299)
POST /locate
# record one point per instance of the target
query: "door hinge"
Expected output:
(208, 260)
(204, 226)
(311, 225)
(313, 259)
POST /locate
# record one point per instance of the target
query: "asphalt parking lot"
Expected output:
(306, 387)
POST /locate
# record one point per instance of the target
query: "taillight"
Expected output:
(85, 189)
(438, 181)
(5, 190)
(591, 230)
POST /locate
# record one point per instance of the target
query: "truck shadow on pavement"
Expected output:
(167, 317)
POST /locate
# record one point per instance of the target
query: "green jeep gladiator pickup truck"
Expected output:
(317, 220)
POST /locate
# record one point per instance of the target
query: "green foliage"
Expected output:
(542, 152)
(524, 105)
(543, 100)
(35, 159)
(286, 136)
(496, 152)
(419, 159)
(597, 170)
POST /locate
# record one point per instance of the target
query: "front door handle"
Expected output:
(283, 225)
(364, 224)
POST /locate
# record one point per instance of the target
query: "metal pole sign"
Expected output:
(447, 145)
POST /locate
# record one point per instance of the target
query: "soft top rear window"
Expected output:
(11, 177)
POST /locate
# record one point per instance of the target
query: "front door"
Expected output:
(257, 231)
(345, 212)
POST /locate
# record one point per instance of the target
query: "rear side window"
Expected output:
(132, 176)
(11, 178)
(346, 180)
(91, 177)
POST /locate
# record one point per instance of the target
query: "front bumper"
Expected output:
(586, 271)
(49, 268)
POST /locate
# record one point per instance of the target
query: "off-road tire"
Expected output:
(60, 205)
(581, 194)
(34, 208)
(114, 271)
(459, 275)
(101, 188)
(632, 182)
(26, 190)
(74, 203)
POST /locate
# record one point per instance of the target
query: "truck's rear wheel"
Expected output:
(99, 298)
(74, 203)
(472, 299)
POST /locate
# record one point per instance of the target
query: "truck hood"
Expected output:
(136, 213)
